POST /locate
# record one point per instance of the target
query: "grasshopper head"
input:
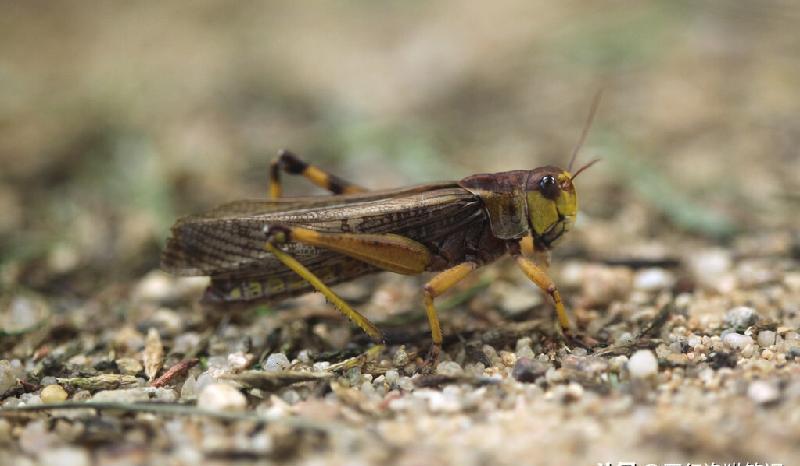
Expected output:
(552, 204)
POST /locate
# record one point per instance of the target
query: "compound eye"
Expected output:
(549, 187)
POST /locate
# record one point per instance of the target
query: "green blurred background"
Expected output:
(116, 117)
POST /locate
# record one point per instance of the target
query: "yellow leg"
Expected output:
(436, 286)
(388, 251)
(538, 276)
(290, 163)
(358, 319)
(528, 249)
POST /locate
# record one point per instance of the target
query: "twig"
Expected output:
(175, 371)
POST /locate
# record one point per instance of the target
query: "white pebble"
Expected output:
(763, 392)
(766, 338)
(441, 402)
(624, 338)
(449, 368)
(643, 364)
(523, 349)
(221, 397)
(694, 341)
(30, 399)
(405, 383)
(189, 388)
(737, 340)
(154, 286)
(391, 376)
(277, 362)
(22, 313)
(65, 456)
(653, 279)
(741, 317)
(240, 360)
(711, 267)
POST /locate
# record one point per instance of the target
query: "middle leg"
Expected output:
(436, 286)
(538, 276)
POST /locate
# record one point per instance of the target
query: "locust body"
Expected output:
(267, 250)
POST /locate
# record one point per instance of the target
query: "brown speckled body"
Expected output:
(227, 243)
(475, 220)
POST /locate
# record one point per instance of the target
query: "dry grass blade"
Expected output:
(172, 409)
(153, 355)
(99, 382)
(275, 380)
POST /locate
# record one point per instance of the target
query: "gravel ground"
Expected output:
(682, 272)
(696, 362)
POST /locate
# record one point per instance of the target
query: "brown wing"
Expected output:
(227, 242)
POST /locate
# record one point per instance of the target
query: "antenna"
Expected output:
(585, 132)
(584, 168)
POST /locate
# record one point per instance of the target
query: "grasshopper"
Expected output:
(267, 250)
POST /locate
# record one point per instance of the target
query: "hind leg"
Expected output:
(289, 163)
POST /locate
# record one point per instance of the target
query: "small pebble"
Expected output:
(221, 397)
(129, 366)
(766, 338)
(694, 341)
(625, 338)
(30, 399)
(739, 318)
(763, 392)
(241, 360)
(523, 349)
(517, 299)
(291, 397)
(449, 368)
(602, 284)
(709, 267)
(353, 376)
(405, 383)
(129, 395)
(400, 357)
(507, 358)
(653, 279)
(444, 401)
(277, 362)
(617, 363)
(737, 340)
(22, 312)
(391, 376)
(643, 364)
(154, 286)
(53, 394)
(65, 456)
(10, 371)
(189, 388)
(527, 370)
(553, 375)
